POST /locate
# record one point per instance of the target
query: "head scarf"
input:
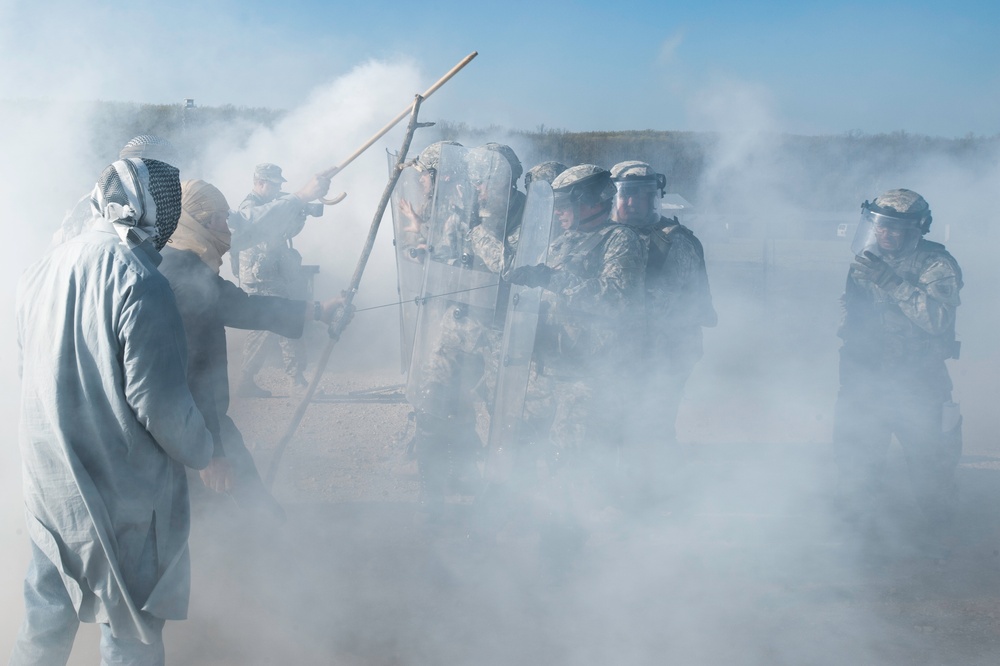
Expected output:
(151, 147)
(141, 198)
(199, 202)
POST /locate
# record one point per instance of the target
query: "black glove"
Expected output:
(873, 268)
(532, 276)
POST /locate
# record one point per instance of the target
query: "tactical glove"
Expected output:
(532, 276)
(873, 268)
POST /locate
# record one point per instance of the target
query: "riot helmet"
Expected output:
(508, 153)
(636, 197)
(430, 156)
(892, 223)
(582, 195)
(490, 183)
(546, 171)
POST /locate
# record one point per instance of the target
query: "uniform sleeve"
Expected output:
(151, 336)
(931, 303)
(619, 284)
(488, 248)
(266, 223)
(686, 297)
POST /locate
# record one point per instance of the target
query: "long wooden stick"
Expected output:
(392, 123)
(339, 324)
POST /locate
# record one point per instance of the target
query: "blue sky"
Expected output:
(920, 67)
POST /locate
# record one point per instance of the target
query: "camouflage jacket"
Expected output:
(261, 249)
(592, 307)
(678, 298)
(498, 255)
(915, 318)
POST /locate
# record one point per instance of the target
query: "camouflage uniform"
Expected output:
(497, 254)
(268, 265)
(461, 364)
(893, 378)
(588, 338)
(678, 305)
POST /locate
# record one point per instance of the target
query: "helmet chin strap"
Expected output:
(593, 220)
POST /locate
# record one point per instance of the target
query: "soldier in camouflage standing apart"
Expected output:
(678, 305)
(587, 344)
(898, 330)
(268, 265)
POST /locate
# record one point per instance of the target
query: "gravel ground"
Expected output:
(742, 565)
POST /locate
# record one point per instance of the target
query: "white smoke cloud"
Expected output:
(768, 378)
(49, 158)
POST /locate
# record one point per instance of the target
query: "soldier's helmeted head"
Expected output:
(430, 157)
(546, 171)
(582, 196)
(892, 223)
(508, 154)
(639, 189)
(428, 162)
(489, 173)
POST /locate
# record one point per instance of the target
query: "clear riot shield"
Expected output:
(411, 207)
(519, 333)
(459, 291)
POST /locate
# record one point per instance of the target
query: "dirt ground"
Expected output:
(741, 561)
(743, 566)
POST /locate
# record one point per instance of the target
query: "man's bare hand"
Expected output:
(317, 187)
(413, 220)
(218, 475)
(330, 309)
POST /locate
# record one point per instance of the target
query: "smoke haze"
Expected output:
(722, 580)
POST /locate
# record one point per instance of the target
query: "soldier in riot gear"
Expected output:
(587, 344)
(678, 305)
(267, 264)
(495, 243)
(546, 171)
(898, 329)
(455, 337)
(414, 206)
(411, 205)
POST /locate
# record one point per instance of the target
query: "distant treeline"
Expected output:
(713, 169)
(815, 172)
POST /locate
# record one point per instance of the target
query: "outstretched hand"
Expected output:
(218, 475)
(317, 187)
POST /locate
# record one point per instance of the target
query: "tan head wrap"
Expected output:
(199, 201)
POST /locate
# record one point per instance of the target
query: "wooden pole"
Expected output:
(340, 323)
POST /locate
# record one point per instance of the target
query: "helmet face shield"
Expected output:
(636, 202)
(883, 234)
